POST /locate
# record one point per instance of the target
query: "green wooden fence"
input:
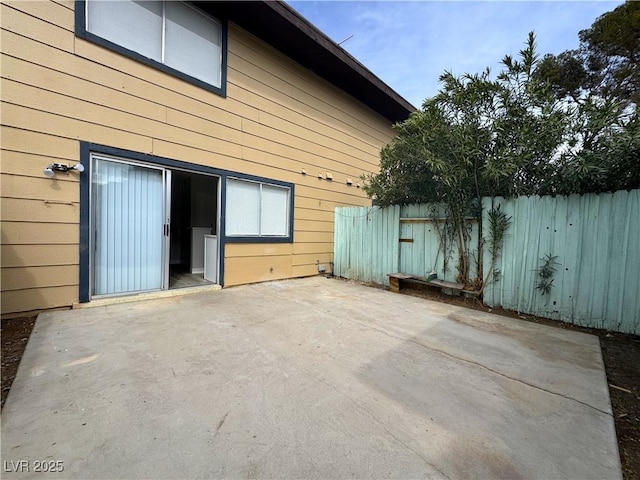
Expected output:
(595, 240)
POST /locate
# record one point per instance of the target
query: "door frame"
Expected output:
(90, 152)
(86, 148)
(166, 219)
(219, 211)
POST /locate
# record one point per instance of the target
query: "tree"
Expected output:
(607, 62)
(612, 52)
(600, 84)
(610, 163)
(522, 133)
(566, 74)
(478, 136)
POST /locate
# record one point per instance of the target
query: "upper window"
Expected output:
(169, 35)
(255, 209)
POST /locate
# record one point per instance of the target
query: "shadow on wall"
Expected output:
(17, 299)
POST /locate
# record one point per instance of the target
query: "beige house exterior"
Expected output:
(293, 139)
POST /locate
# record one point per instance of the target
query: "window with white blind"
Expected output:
(256, 209)
(170, 35)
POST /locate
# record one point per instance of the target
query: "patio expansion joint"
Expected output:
(478, 364)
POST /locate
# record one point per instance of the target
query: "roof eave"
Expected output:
(279, 25)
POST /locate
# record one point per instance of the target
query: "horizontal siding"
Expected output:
(67, 83)
(313, 237)
(16, 21)
(42, 188)
(310, 214)
(308, 187)
(34, 143)
(313, 259)
(45, 211)
(240, 270)
(306, 89)
(304, 270)
(41, 121)
(257, 249)
(256, 87)
(38, 255)
(49, 12)
(40, 298)
(31, 165)
(277, 120)
(69, 4)
(35, 233)
(21, 278)
(312, 247)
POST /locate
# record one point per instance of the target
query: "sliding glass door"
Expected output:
(130, 226)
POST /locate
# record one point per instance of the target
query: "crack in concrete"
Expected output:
(294, 364)
(442, 352)
(384, 427)
(220, 423)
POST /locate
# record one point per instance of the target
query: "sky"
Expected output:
(409, 44)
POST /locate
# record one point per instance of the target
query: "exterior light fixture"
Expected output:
(51, 170)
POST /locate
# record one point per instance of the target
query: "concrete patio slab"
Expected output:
(310, 378)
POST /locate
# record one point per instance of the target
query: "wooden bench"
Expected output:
(396, 280)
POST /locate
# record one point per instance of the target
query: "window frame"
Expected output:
(82, 32)
(288, 238)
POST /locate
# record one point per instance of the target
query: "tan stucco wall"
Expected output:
(278, 118)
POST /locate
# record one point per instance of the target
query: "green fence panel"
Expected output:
(595, 240)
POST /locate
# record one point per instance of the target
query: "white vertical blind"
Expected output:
(274, 210)
(243, 208)
(133, 25)
(193, 43)
(128, 216)
(256, 209)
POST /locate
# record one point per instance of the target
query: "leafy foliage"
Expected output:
(608, 164)
(499, 223)
(607, 62)
(599, 84)
(557, 125)
(545, 274)
(478, 136)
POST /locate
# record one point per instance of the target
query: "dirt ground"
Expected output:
(621, 357)
(14, 334)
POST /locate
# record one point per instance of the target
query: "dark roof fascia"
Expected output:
(285, 29)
